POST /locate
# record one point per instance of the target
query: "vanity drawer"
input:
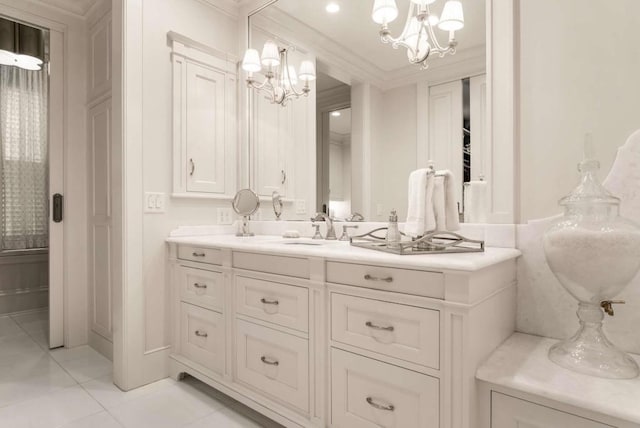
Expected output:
(405, 332)
(280, 265)
(275, 363)
(418, 282)
(202, 336)
(367, 393)
(203, 255)
(281, 304)
(202, 287)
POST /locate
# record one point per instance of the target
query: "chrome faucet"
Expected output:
(331, 232)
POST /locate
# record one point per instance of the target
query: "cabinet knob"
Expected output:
(198, 285)
(269, 302)
(378, 327)
(201, 333)
(284, 177)
(194, 254)
(375, 278)
(387, 407)
(193, 167)
(269, 361)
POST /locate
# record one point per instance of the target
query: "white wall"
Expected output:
(579, 66)
(143, 132)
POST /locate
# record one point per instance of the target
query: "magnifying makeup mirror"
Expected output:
(245, 203)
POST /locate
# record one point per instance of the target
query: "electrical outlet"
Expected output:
(154, 203)
(224, 216)
(301, 206)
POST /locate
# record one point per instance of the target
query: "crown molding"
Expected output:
(68, 7)
(230, 8)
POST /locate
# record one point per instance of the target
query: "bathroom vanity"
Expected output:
(320, 333)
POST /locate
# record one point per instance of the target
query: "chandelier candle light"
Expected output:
(280, 78)
(418, 36)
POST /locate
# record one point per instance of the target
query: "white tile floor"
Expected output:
(72, 388)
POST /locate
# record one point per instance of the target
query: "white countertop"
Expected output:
(521, 363)
(343, 251)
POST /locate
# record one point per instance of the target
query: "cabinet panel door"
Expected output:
(273, 134)
(511, 412)
(205, 129)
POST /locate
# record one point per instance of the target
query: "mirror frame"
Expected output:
(502, 136)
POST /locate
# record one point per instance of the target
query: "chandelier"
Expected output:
(280, 81)
(418, 35)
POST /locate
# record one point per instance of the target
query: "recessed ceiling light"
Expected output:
(333, 7)
(335, 113)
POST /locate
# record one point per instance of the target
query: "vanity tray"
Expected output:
(431, 243)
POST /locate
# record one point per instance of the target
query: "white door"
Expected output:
(56, 186)
(445, 130)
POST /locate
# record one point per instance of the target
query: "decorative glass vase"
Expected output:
(594, 253)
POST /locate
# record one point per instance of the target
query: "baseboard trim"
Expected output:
(101, 344)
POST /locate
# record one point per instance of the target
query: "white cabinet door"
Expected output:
(205, 126)
(273, 142)
(511, 412)
(204, 121)
(445, 130)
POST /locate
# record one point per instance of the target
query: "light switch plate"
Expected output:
(154, 202)
(301, 206)
(225, 216)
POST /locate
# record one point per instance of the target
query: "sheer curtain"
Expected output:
(24, 219)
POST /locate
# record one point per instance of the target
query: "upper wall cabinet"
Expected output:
(204, 120)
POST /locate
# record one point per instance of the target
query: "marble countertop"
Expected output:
(343, 251)
(521, 363)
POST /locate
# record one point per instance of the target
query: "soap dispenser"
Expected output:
(393, 233)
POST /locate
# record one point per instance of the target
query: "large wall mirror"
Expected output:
(371, 117)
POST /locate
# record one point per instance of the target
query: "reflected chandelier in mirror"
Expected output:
(280, 78)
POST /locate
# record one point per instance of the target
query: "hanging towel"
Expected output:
(439, 203)
(452, 219)
(420, 215)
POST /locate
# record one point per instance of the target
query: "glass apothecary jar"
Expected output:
(594, 253)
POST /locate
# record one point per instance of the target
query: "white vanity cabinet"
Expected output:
(321, 340)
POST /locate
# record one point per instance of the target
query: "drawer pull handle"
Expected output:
(201, 333)
(378, 327)
(388, 407)
(269, 361)
(375, 278)
(198, 254)
(198, 285)
(269, 302)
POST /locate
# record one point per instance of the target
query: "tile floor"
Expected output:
(72, 388)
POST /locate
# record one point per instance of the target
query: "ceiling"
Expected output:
(354, 29)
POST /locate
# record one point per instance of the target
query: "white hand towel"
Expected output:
(420, 217)
(452, 220)
(439, 200)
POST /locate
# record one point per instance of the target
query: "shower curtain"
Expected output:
(24, 219)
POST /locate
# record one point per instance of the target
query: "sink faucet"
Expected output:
(331, 232)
